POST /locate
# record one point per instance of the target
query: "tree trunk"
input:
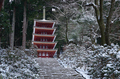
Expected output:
(13, 30)
(1, 1)
(102, 30)
(107, 32)
(101, 23)
(109, 22)
(58, 52)
(3, 4)
(0, 42)
(99, 16)
(66, 32)
(24, 27)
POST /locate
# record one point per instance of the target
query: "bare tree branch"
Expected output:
(101, 9)
(95, 8)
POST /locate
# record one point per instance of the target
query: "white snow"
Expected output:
(83, 72)
(17, 64)
(80, 59)
(109, 65)
(118, 54)
(80, 70)
(53, 10)
(10, 0)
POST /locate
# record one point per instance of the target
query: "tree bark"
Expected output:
(0, 42)
(24, 27)
(13, 30)
(96, 10)
(3, 4)
(99, 16)
(102, 31)
(66, 32)
(58, 52)
(1, 1)
(109, 22)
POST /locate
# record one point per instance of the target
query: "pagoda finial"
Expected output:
(43, 12)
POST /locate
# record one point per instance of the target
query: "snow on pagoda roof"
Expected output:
(44, 28)
(46, 49)
(44, 35)
(47, 21)
(44, 42)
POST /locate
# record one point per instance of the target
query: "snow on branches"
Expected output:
(17, 64)
(96, 61)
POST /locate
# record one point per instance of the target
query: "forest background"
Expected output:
(77, 21)
(87, 30)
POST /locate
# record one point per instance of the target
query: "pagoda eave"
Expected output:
(44, 28)
(44, 35)
(44, 42)
(48, 21)
(47, 50)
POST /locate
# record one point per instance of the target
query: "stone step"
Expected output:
(51, 69)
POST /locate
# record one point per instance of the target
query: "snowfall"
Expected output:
(91, 62)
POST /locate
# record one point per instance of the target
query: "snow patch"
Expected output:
(83, 72)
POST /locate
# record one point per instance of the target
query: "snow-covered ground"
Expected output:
(83, 72)
(79, 70)
(17, 64)
(93, 61)
(90, 62)
(73, 57)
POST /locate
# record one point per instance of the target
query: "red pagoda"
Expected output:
(43, 37)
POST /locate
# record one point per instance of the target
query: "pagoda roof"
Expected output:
(44, 42)
(44, 35)
(45, 21)
(47, 50)
(44, 28)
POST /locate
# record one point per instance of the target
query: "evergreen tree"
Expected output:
(104, 62)
(4, 28)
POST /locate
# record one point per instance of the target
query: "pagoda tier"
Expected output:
(45, 45)
(43, 38)
(46, 53)
(40, 30)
